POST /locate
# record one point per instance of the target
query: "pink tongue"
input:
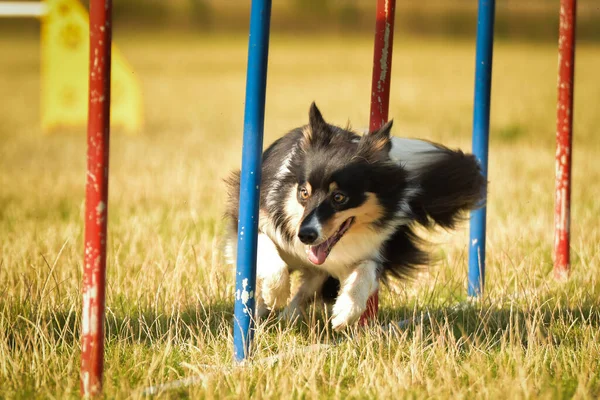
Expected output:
(317, 254)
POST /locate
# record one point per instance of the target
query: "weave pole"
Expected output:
(481, 131)
(380, 94)
(254, 115)
(564, 131)
(96, 199)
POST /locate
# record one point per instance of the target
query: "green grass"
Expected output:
(169, 296)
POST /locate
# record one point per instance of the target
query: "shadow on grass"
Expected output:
(557, 325)
(139, 325)
(550, 323)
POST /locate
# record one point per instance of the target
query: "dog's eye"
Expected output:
(304, 194)
(339, 198)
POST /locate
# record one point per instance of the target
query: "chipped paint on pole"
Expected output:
(250, 175)
(382, 63)
(380, 94)
(484, 52)
(96, 199)
(564, 126)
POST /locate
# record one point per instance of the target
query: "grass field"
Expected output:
(169, 299)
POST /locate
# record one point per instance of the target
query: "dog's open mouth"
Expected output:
(318, 254)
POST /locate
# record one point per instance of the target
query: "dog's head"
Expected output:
(346, 183)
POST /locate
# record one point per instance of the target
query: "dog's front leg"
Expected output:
(354, 293)
(273, 277)
(311, 283)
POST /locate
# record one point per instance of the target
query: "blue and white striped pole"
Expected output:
(481, 130)
(254, 115)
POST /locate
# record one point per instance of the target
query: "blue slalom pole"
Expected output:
(254, 116)
(481, 130)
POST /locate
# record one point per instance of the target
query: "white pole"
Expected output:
(33, 9)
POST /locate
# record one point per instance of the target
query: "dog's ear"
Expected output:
(317, 131)
(382, 135)
(376, 145)
(315, 118)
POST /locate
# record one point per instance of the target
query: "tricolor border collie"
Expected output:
(338, 205)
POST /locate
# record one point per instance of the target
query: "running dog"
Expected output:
(338, 205)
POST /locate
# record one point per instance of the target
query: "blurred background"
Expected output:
(515, 19)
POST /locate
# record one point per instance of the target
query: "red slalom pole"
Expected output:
(380, 95)
(564, 135)
(96, 199)
(382, 63)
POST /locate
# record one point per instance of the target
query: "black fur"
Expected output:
(452, 184)
(435, 195)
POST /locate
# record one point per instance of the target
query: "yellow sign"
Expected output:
(65, 66)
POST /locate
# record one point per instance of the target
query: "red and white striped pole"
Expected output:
(96, 199)
(564, 132)
(380, 93)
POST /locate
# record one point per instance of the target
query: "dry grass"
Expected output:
(169, 295)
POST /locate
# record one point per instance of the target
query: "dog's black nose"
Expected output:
(308, 235)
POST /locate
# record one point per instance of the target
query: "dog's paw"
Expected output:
(275, 291)
(346, 311)
(291, 314)
(262, 311)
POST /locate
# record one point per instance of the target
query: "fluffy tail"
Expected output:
(446, 183)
